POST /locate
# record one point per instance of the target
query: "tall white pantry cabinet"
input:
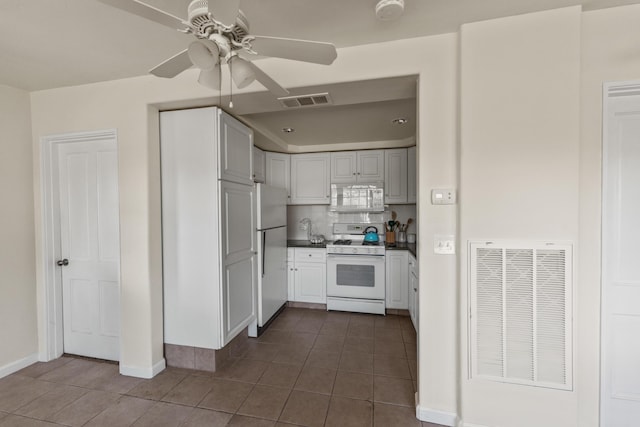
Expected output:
(208, 227)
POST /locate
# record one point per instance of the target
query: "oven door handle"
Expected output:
(374, 258)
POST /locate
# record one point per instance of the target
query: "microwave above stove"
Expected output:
(357, 197)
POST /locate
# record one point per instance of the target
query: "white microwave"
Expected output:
(357, 197)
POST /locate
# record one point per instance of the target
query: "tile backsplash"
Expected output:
(322, 219)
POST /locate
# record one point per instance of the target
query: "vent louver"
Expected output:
(313, 100)
(520, 315)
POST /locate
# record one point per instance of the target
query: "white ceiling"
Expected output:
(46, 44)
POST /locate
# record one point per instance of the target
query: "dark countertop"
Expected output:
(305, 244)
(411, 247)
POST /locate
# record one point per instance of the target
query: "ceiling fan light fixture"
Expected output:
(210, 78)
(204, 54)
(241, 72)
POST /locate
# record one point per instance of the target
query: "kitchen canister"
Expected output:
(402, 237)
(411, 238)
(390, 237)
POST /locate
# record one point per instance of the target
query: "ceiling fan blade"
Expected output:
(148, 12)
(267, 81)
(298, 50)
(224, 11)
(173, 66)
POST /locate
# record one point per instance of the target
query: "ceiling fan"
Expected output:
(221, 34)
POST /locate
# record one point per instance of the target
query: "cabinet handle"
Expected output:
(354, 173)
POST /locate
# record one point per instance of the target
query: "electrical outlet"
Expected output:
(444, 244)
(443, 196)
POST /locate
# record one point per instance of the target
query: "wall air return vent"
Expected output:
(520, 312)
(313, 100)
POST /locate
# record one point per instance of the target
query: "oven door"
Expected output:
(356, 276)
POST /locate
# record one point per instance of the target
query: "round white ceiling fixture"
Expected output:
(388, 10)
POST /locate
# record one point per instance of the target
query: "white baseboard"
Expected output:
(437, 417)
(470, 425)
(138, 372)
(12, 367)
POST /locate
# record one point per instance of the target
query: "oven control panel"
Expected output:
(356, 250)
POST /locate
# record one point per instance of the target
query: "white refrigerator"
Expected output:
(272, 251)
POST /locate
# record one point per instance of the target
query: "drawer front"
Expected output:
(311, 255)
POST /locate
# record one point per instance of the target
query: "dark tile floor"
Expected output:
(310, 368)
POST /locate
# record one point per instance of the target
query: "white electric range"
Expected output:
(356, 270)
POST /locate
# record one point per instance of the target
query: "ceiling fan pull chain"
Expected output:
(220, 86)
(230, 85)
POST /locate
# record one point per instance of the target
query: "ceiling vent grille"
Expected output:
(313, 100)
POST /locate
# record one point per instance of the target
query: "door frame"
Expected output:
(607, 88)
(50, 321)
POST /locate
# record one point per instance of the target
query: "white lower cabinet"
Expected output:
(413, 291)
(309, 275)
(397, 280)
(291, 278)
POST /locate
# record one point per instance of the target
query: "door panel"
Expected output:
(371, 166)
(238, 230)
(239, 297)
(620, 394)
(273, 273)
(89, 239)
(236, 157)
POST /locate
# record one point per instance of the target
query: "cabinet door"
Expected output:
(238, 256)
(397, 283)
(235, 157)
(278, 171)
(258, 165)
(344, 167)
(291, 280)
(395, 168)
(411, 175)
(310, 179)
(370, 166)
(311, 282)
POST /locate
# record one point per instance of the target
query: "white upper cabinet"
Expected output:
(411, 175)
(259, 165)
(395, 170)
(357, 166)
(310, 179)
(278, 171)
(235, 162)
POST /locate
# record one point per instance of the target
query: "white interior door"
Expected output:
(620, 394)
(89, 236)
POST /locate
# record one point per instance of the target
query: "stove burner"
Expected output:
(365, 243)
(342, 242)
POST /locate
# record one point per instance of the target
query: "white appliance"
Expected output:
(356, 271)
(357, 197)
(272, 251)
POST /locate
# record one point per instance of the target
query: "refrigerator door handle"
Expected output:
(264, 239)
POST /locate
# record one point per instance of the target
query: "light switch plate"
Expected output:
(444, 244)
(443, 196)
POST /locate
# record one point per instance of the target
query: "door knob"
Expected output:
(62, 262)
